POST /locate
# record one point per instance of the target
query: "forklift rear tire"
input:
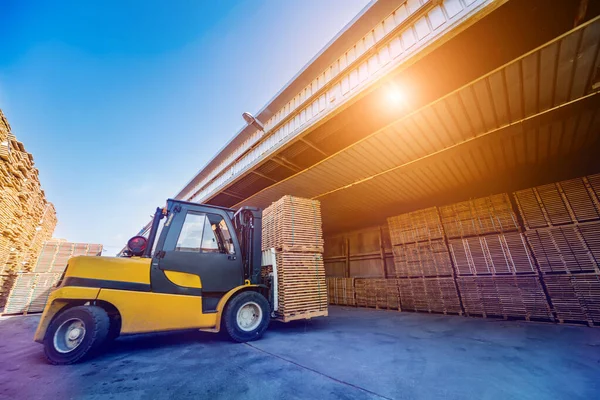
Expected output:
(75, 333)
(247, 316)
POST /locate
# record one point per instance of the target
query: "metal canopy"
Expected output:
(524, 117)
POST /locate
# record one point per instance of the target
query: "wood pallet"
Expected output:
(30, 292)
(56, 254)
(480, 216)
(429, 295)
(423, 259)
(560, 203)
(575, 297)
(571, 248)
(44, 284)
(293, 224)
(377, 293)
(507, 296)
(492, 254)
(341, 291)
(416, 226)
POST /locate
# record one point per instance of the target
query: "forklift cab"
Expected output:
(196, 240)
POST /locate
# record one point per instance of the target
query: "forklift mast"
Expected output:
(248, 226)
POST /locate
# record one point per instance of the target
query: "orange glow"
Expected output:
(395, 95)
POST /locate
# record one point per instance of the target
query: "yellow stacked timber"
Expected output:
(27, 219)
(292, 226)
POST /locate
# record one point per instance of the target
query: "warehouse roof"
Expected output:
(372, 13)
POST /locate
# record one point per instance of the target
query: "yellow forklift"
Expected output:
(199, 268)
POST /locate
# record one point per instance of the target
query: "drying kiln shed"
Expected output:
(453, 145)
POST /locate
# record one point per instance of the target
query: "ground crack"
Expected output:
(318, 372)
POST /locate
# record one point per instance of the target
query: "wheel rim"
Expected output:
(69, 335)
(249, 316)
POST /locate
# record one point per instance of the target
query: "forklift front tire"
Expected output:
(247, 316)
(75, 333)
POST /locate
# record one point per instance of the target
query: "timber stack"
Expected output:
(562, 226)
(292, 226)
(30, 291)
(27, 219)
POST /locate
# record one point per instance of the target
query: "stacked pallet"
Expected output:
(418, 245)
(341, 291)
(437, 295)
(56, 253)
(575, 297)
(422, 263)
(382, 294)
(504, 296)
(422, 259)
(562, 223)
(416, 226)
(366, 295)
(30, 293)
(500, 254)
(292, 226)
(26, 218)
(491, 214)
(495, 271)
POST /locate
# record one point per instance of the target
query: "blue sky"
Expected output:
(122, 102)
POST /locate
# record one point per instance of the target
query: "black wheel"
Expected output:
(75, 333)
(247, 316)
(115, 328)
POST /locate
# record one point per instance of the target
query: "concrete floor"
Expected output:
(353, 354)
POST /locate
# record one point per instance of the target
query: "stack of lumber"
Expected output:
(56, 253)
(27, 219)
(341, 291)
(30, 292)
(562, 222)
(292, 226)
